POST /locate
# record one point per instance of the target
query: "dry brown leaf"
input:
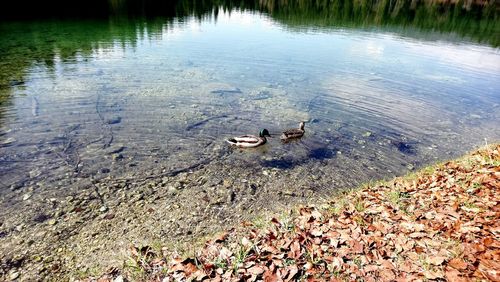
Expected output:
(256, 270)
(189, 269)
(452, 274)
(458, 263)
(269, 276)
(436, 260)
(370, 268)
(222, 237)
(269, 249)
(276, 222)
(316, 214)
(292, 271)
(386, 265)
(249, 264)
(490, 269)
(334, 243)
(337, 263)
(430, 274)
(316, 232)
(408, 266)
(419, 249)
(200, 275)
(295, 250)
(387, 275)
(416, 235)
(225, 253)
(227, 276)
(245, 242)
(356, 247)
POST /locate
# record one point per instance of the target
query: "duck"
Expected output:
(250, 141)
(293, 133)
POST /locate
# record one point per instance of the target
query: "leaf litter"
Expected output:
(440, 225)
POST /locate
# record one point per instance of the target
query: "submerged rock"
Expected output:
(27, 196)
(115, 149)
(14, 275)
(262, 95)
(116, 157)
(104, 170)
(224, 91)
(114, 120)
(227, 183)
(7, 141)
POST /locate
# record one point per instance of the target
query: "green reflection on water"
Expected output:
(480, 23)
(41, 42)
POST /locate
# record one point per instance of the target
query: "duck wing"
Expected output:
(292, 133)
(246, 141)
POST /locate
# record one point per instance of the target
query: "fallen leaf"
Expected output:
(245, 242)
(292, 271)
(270, 276)
(415, 235)
(316, 232)
(189, 269)
(200, 275)
(221, 238)
(337, 263)
(387, 275)
(436, 260)
(316, 214)
(386, 265)
(256, 270)
(430, 274)
(295, 250)
(490, 269)
(225, 253)
(452, 274)
(458, 263)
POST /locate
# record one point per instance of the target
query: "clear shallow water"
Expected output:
(92, 99)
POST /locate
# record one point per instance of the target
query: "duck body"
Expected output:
(249, 141)
(293, 133)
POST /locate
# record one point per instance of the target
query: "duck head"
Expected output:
(264, 132)
(301, 125)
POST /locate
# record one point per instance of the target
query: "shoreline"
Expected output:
(441, 222)
(83, 238)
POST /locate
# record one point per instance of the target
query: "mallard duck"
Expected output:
(250, 141)
(293, 133)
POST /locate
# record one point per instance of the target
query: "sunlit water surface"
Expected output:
(145, 101)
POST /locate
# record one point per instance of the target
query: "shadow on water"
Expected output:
(400, 142)
(406, 148)
(318, 154)
(321, 154)
(314, 151)
(280, 163)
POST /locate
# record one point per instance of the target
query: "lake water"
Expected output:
(88, 101)
(89, 97)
